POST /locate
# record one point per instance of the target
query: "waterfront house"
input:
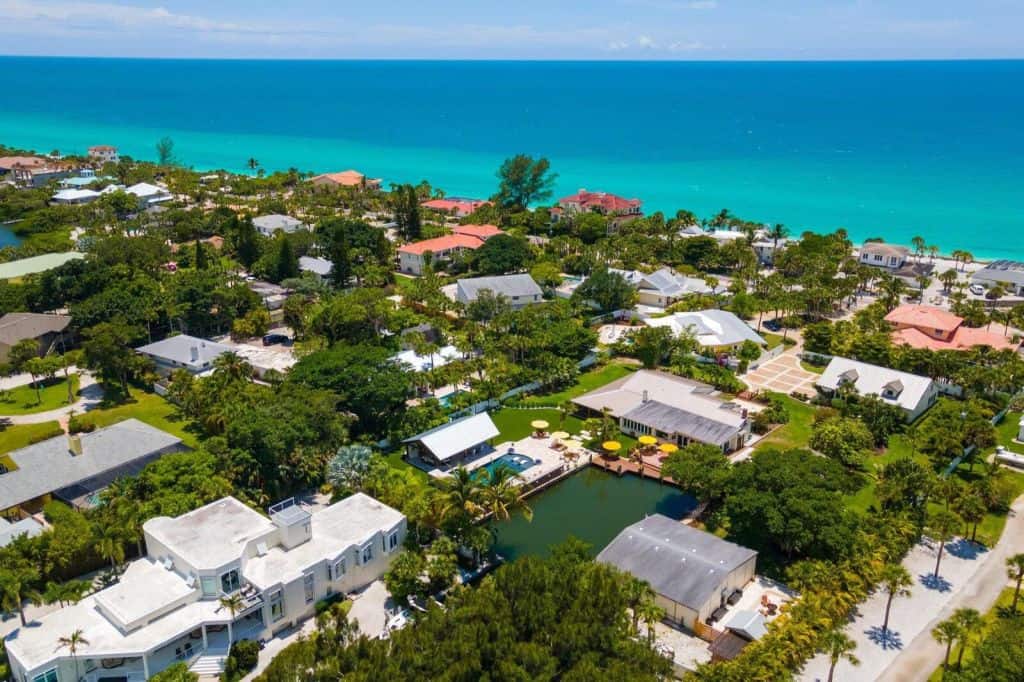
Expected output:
(881, 255)
(166, 607)
(670, 408)
(413, 258)
(183, 352)
(519, 290)
(76, 467)
(694, 574)
(9, 163)
(35, 177)
(455, 206)
(104, 153)
(453, 442)
(716, 330)
(267, 225)
(911, 393)
(618, 209)
(48, 331)
(348, 178)
(1008, 273)
(921, 326)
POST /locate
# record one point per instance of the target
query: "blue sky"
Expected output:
(517, 29)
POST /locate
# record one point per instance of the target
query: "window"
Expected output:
(878, 258)
(393, 541)
(209, 583)
(229, 582)
(307, 586)
(48, 676)
(276, 606)
(339, 568)
(367, 554)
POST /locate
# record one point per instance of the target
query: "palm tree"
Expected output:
(637, 593)
(501, 496)
(919, 245)
(970, 622)
(462, 489)
(72, 642)
(15, 584)
(838, 646)
(1015, 572)
(232, 367)
(896, 582)
(252, 163)
(948, 278)
(233, 603)
(650, 614)
(108, 544)
(777, 232)
(947, 632)
(942, 526)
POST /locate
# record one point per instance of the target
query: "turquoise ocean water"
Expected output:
(882, 149)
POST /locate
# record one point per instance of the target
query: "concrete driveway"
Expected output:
(782, 375)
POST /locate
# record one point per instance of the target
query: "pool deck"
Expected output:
(547, 460)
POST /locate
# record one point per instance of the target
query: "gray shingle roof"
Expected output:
(1001, 271)
(509, 286)
(178, 349)
(669, 419)
(119, 449)
(15, 327)
(681, 563)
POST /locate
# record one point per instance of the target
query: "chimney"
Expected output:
(645, 398)
(74, 444)
(194, 353)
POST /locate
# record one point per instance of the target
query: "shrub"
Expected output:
(76, 425)
(243, 657)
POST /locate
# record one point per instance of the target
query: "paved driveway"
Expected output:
(783, 375)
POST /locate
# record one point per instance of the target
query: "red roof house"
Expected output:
(600, 202)
(921, 326)
(483, 232)
(412, 257)
(460, 208)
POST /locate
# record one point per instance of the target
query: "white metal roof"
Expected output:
(710, 327)
(450, 439)
(872, 379)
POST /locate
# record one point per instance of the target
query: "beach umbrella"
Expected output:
(668, 448)
(539, 424)
(560, 435)
(611, 445)
(647, 440)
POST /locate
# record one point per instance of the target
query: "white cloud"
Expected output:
(646, 42)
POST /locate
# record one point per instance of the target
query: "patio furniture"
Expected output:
(539, 426)
(611, 446)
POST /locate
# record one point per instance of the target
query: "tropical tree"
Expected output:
(523, 180)
(462, 490)
(16, 586)
(942, 526)
(109, 543)
(896, 582)
(72, 642)
(501, 495)
(1015, 572)
(947, 632)
(349, 467)
(838, 646)
(970, 622)
(233, 603)
(972, 509)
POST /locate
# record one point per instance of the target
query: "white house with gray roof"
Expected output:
(166, 607)
(183, 352)
(267, 225)
(663, 287)
(320, 268)
(1009, 273)
(453, 442)
(76, 468)
(693, 573)
(718, 330)
(520, 290)
(670, 408)
(911, 393)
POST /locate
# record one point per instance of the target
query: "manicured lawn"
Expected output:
(586, 382)
(515, 425)
(988, 620)
(772, 339)
(14, 437)
(23, 399)
(148, 408)
(797, 432)
(817, 369)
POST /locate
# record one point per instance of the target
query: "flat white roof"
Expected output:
(146, 587)
(350, 522)
(422, 363)
(211, 536)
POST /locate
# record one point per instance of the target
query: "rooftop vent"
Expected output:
(75, 444)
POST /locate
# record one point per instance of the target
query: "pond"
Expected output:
(592, 505)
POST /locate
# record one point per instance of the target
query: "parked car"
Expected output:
(272, 339)
(977, 290)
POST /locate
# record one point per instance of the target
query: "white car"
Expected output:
(977, 289)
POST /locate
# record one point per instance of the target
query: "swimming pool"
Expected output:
(510, 460)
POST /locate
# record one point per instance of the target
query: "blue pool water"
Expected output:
(517, 463)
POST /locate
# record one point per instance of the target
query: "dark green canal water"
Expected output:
(592, 505)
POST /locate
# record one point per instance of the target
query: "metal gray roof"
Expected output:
(15, 327)
(1001, 271)
(669, 419)
(683, 564)
(509, 286)
(178, 349)
(107, 453)
(26, 526)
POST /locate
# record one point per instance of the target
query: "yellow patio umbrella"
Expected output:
(611, 445)
(560, 435)
(668, 448)
(539, 424)
(647, 440)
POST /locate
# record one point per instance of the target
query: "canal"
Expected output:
(592, 505)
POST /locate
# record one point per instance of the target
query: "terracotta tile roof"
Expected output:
(10, 162)
(445, 243)
(458, 205)
(924, 317)
(963, 339)
(348, 178)
(608, 203)
(481, 231)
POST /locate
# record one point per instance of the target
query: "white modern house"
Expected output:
(911, 393)
(519, 290)
(714, 329)
(183, 352)
(320, 268)
(167, 606)
(149, 195)
(267, 225)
